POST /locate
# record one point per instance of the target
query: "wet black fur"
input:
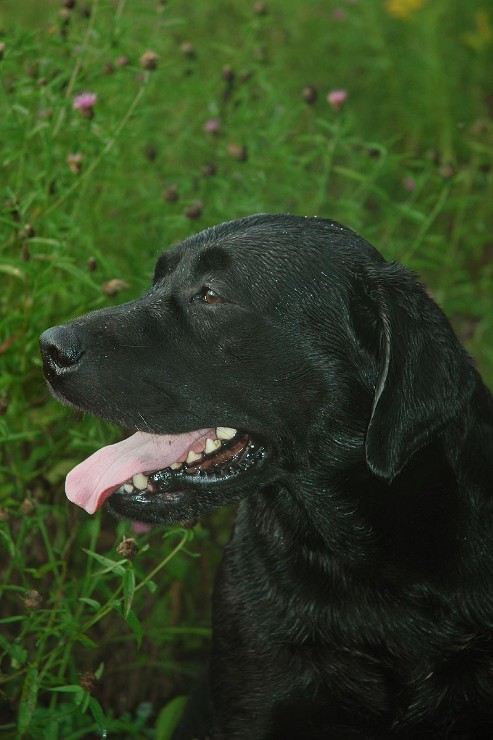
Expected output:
(355, 598)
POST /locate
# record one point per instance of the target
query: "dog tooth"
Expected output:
(225, 432)
(140, 481)
(193, 456)
(128, 487)
(212, 445)
(176, 465)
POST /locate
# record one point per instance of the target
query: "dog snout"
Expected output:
(61, 349)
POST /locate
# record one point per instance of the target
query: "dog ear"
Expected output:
(426, 376)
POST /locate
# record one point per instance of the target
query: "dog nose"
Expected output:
(60, 348)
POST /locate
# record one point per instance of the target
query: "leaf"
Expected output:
(98, 714)
(412, 214)
(27, 703)
(17, 653)
(91, 602)
(128, 590)
(9, 546)
(68, 689)
(351, 174)
(85, 640)
(135, 626)
(8, 620)
(99, 671)
(152, 586)
(13, 271)
(168, 718)
(78, 273)
(109, 565)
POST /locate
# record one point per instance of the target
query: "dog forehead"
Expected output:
(262, 269)
(268, 252)
(230, 256)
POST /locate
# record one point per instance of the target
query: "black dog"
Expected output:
(355, 599)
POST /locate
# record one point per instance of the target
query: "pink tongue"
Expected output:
(91, 482)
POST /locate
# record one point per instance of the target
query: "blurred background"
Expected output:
(125, 126)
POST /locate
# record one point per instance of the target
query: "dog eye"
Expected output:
(207, 295)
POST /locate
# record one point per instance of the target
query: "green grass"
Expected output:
(406, 162)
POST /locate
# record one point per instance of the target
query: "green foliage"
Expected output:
(90, 640)
(168, 718)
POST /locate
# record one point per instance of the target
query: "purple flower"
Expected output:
(409, 184)
(337, 98)
(85, 103)
(141, 527)
(338, 14)
(212, 126)
(85, 100)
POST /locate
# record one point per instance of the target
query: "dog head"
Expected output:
(258, 340)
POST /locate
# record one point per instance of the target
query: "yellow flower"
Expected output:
(482, 34)
(403, 9)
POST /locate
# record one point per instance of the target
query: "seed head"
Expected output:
(194, 210)
(113, 287)
(187, 49)
(32, 600)
(27, 232)
(309, 94)
(434, 156)
(149, 60)
(246, 75)
(228, 74)
(151, 152)
(260, 8)
(238, 152)
(127, 548)
(11, 206)
(209, 169)
(171, 194)
(74, 162)
(446, 170)
(27, 507)
(260, 53)
(4, 401)
(88, 681)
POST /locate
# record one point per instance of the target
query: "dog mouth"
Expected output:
(152, 469)
(224, 456)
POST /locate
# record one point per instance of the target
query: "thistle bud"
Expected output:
(127, 548)
(32, 600)
(149, 60)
